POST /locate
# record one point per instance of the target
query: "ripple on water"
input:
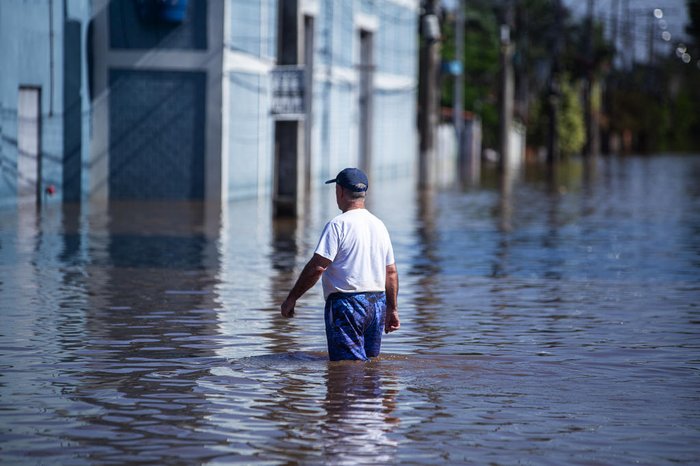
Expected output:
(538, 325)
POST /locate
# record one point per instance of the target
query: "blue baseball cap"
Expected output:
(353, 179)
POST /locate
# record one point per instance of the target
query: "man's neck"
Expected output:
(354, 206)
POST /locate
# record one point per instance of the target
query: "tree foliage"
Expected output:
(570, 126)
(652, 105)
(655, 105)
(480, 64)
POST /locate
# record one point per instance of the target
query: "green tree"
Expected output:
(480, 65)
(655, 105)
(570, 124)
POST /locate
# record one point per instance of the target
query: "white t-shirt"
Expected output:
(359, 247)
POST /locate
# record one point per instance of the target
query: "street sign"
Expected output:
(287, 92)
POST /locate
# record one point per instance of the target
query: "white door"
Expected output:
(28, 143)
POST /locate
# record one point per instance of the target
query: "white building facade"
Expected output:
(152, 104)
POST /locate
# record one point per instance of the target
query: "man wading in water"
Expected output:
(360, 281)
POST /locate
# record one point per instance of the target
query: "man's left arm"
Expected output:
(307, 278)
(392, 322)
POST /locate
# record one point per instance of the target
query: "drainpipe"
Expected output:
(51, 58)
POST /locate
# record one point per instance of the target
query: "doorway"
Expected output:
(29, 144)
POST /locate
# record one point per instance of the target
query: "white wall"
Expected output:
(250, 55)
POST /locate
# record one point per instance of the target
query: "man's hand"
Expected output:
(287, 308)
(391, 322)
(308, 278)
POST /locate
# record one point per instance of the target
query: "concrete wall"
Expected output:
(134, 110)
(41, 45)
(156, 103)
(250, 54)
(248, 136)
(396, 89)
(394, 28)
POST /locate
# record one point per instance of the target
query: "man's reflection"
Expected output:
(360, 403)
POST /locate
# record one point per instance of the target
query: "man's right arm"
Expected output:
(392, 290)
(308, 278)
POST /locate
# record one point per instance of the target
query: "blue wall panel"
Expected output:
(156, 134)
(8, 156)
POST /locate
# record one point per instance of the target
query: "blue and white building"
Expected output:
(44, 109)
(181, 99)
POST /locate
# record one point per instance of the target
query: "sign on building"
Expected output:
(288, 92)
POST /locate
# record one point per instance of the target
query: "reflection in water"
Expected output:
(150, 333)
(283, 259)
(504, 217)
(143, 337)
(360, 413)
(425, 267)
(552, 262)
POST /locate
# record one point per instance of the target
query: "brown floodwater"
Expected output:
(543, 322)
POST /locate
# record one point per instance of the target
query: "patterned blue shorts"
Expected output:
(354, 325)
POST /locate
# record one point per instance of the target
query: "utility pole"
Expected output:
(591, 148)
(522, 94)
(631, 26)
(507, 88)
(625, 19)
(611, 84)
(428, 92)
(554, 91)
(614, 18)
(459, 79)
(652, 24)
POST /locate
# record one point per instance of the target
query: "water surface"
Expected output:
(543, 322)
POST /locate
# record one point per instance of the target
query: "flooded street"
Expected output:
(542, 323)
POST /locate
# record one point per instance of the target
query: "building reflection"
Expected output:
(72, 259)
(283, 259)
(552, 258)
(360, 415)
(504, 218)
(151, 331)
(425, 266)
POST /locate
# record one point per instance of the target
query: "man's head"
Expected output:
(352, 179)
(351, 188)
